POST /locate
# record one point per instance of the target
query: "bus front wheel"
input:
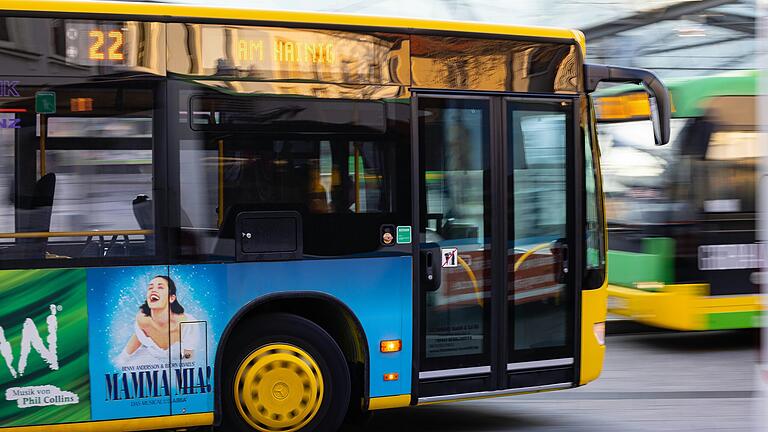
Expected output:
(284, 373)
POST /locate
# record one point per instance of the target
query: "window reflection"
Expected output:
(5, 34)
(537, 203)
(454, 135)
(331, 160)
(639, 176)
(594, 239)
(501, 65)
(274, 53)
(60, 47)
(82, 185)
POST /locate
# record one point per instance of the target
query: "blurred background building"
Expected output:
(675, 38)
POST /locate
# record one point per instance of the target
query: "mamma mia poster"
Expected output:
(152, 337)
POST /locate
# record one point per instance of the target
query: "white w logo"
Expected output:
(30, 338)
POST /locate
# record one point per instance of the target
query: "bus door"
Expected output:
(540, 293)
(495, 299)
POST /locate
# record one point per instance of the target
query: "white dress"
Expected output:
(150, 354)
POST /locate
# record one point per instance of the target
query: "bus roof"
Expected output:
(690, 94)
(162, 12)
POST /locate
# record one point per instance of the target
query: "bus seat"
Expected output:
(118, 249)
(37, 210)
(143, 211)
(92, 248)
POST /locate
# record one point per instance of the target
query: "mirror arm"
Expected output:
(594, 74)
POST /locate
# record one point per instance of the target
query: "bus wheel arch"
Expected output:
(327, 312)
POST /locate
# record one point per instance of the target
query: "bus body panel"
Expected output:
(685, 307)
(378, 291)
(90, 322)
(153, 11)
(593, 312)
(138, 424)
(62, 334)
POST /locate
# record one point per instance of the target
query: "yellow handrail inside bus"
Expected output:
(472, 278)
(44, 234)
(532, 251)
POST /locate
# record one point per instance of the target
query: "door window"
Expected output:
(455, 144)
(539, 302)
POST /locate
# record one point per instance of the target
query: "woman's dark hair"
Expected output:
(175, 306)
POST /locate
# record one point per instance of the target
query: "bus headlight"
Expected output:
(599, 329)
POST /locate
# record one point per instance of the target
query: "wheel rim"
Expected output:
(278, 387)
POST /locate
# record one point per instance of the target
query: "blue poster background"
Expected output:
(152, 381)
(204, 296)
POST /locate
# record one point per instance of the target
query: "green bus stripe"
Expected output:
(733, 320)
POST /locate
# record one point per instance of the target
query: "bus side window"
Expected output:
(336, 162)
(71, 175)
(594, 274)
(727, 170)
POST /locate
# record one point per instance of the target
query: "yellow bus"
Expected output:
(267, 221)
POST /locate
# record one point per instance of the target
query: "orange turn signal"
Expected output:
(391, 377)
(390, 346)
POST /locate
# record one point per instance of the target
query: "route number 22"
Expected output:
(115, 50)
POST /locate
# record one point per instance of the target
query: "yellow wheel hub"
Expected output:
(278, 387)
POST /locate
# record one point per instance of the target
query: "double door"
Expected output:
(496, 296)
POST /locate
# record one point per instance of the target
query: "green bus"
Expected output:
(268, 221)
(682, 218)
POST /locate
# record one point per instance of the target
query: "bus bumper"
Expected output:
(593, 314)
(687, 307)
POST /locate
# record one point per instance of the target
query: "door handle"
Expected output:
(431, 267)
(560, 252)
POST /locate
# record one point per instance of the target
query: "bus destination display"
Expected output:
(96, 44)
(267, 53)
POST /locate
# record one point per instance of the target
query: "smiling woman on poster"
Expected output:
(158, 327)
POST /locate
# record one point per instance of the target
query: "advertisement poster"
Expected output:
(43, 347)
(152, 339)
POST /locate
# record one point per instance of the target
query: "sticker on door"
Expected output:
(450, 257)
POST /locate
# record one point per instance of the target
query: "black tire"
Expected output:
(297, 331)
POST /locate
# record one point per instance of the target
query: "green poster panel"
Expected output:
(43, 347)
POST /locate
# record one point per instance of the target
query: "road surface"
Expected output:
(651, 382)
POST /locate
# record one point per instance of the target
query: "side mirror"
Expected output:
(661, 107)
(656, 121)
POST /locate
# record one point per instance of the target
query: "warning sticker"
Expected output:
(450, 257)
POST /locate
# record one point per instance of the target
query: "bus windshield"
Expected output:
(638, 176)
